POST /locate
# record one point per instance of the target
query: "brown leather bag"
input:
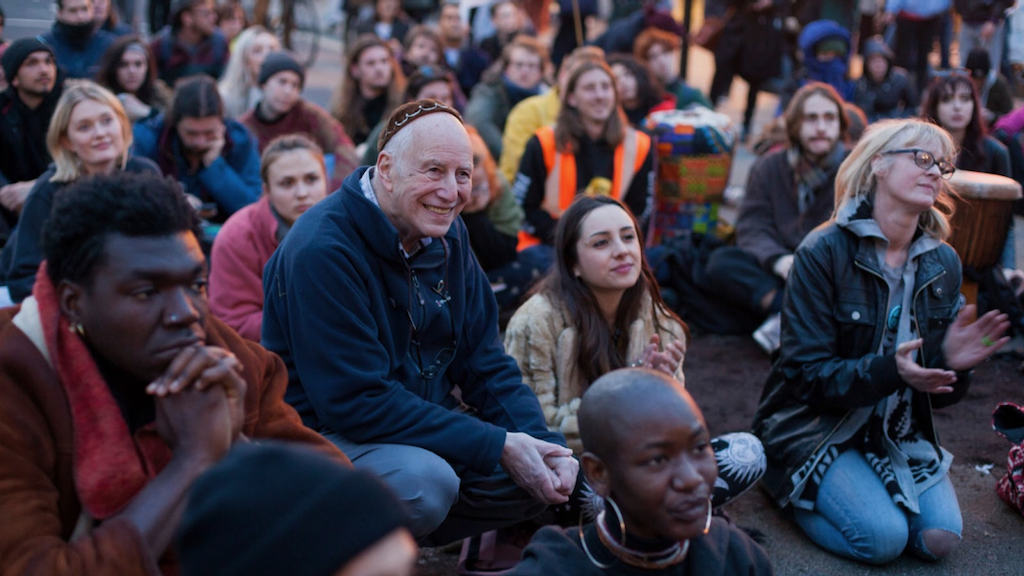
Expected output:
(711, 30)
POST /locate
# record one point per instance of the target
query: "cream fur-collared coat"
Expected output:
(544, 344)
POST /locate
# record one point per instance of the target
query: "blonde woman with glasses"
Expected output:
(89, 134)
(875, 335)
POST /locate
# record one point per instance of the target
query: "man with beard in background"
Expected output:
(26, 107)
(789, 193)
(214, 158)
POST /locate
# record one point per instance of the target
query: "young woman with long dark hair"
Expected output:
(599, 309)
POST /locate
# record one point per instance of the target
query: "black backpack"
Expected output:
(680, 266)
(995, 293)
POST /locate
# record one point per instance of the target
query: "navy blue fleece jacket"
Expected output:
(343, 308)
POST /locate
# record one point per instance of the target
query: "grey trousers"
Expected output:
(445, 505)
(970, 38)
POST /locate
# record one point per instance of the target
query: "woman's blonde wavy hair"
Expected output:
(236, 81)
(68, 167)
(857, 177)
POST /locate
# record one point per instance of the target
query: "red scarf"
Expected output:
(111, 465)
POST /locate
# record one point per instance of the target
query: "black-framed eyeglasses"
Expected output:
(925, 161)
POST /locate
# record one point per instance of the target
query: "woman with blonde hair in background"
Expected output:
(89, 134)
(238, 86)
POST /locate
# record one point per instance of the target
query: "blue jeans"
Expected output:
(855, 517)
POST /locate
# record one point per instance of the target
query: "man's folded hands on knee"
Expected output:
(547, 471)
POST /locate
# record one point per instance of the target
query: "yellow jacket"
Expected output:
(526, 118)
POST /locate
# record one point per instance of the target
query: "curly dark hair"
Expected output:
(87, 212)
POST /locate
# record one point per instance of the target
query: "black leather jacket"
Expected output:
(833, 320)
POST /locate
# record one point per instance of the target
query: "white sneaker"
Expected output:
(769, 334)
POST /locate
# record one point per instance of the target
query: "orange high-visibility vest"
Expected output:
(560, 185)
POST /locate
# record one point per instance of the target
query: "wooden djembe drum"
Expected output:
(984, 213)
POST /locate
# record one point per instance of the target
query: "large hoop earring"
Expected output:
(621, 518)
(707, 523)
(586, 549)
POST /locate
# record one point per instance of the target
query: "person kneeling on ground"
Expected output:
(653, 473)
(874, 336)
(310, 516)
(119, 389)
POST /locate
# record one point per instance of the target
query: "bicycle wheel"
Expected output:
(299, 29)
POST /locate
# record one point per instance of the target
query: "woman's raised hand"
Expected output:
(668, 360)
(931, 380)
(967, 344)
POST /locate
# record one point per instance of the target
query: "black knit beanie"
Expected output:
(279, 62)
(275, 508)
(18, 51)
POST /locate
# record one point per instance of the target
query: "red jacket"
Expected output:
(241, 250)
(316, 123)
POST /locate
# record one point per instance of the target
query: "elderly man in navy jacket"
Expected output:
(389, 330)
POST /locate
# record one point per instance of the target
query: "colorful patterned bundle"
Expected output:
(693, 154)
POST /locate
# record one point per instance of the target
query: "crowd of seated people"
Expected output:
(426, 313)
